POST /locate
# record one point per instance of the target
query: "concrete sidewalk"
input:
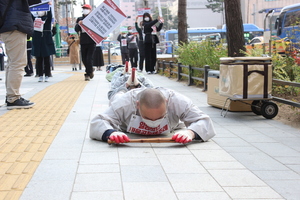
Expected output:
(249, 158)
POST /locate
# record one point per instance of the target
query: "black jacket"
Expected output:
(84, 37)
(18, 16)
(42, 42)
(124, 49)
(149, 37)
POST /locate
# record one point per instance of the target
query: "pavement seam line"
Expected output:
(26, 134)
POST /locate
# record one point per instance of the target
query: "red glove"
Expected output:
(183, 136)
(119, 137)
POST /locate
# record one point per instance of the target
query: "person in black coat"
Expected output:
(132, 44)
(2, 54)
(140, 45)
(87, 44)
(29, 68)
(14, 28)
(123, 46)
(150, 41)
(43, 45)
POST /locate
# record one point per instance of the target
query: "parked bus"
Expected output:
(287, 24)
(288, 29)
(197, 34)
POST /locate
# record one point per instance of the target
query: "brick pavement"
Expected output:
(249, 158)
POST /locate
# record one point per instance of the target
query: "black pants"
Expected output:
(133, 56)
(142, 55)
(43, 66)
(87, 53)
(125, 57)
(29, 67)
(1, 63)
(150, 56)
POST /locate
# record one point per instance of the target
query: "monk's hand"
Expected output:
(119, 137)
(183, 136)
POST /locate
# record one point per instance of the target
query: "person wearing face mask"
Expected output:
(150, 40)
(122, 82)
(132, 42)
(87, 44)
(151, 112)
(124, 47)
(140, 45)
(73, 43)
(43, 44)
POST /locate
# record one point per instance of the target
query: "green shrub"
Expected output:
(200, 54)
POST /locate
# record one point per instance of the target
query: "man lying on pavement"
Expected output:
(152, 111)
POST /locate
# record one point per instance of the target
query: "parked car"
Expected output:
(104, 49)
(159, 51)
(115, 51)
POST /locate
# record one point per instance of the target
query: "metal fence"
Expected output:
(169, 67)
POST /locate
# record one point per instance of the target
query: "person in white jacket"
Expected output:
(122, 82)
(152, 111)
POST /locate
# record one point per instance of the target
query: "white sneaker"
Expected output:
(46, 78)
(139, 70)
(41, 79)
(149, 72)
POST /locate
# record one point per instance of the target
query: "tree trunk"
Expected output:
(234, 28)
(182, 24)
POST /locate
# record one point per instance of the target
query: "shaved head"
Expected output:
(152, 104)
(152, 98)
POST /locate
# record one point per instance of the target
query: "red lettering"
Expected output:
(142, 125)
(148, 130)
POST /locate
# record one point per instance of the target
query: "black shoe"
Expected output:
(19, 103)
(86, 77)
(92, 74)
(20, 98)
(27, 75)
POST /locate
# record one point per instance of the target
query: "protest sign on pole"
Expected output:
(103, 20)
(43, 6)
(159, 8)
(141, 11)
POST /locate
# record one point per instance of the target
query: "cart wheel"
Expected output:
(256, 107)
(269, 110)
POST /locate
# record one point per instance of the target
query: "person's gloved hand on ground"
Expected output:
(119, 137)
(183, 136)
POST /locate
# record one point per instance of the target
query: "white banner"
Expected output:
(141, 11)
(104, 19)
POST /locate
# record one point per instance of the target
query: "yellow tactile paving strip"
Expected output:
(25, 135)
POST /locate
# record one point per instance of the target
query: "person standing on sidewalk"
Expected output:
(73, 42)
(15, 25)
(150, 41)
(140, 45)
(29, 68)
(123, 46)
(132, 47)
(98, 59)
(2, 54)
(87, 44)
(43, 44)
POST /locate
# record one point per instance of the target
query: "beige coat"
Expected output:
(74, 50)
